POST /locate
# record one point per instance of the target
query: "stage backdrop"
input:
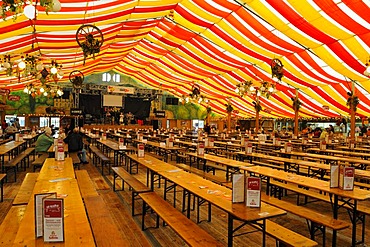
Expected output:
(139, 107)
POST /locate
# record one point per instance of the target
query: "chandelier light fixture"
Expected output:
(31, 66)
(246, 88)
(194, 97)
(28, 8)
(43, 90)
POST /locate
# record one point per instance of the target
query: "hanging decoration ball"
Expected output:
(30, 11)
(22, 65)
(6, 65)
(56, 6)
(39, 66)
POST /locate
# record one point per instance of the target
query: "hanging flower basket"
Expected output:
(229, 108)
(257, 106)
(296, 104)
(209, 109)
(353, 100)
(277, 69)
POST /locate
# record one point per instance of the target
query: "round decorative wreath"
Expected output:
(277, 69)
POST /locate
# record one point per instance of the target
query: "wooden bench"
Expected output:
(100, 157)
(10, 225)
(39, 161)
(189, 231)
(105, 230)
(2, 179)
(85, 184)
(22, 158)
(286, 236)
(135, 185)
(75, 159)
(315, 220)
(362, 185)
(25, 191)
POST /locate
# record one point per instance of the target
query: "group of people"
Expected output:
(72, 138)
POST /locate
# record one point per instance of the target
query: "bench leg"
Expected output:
(2, 190)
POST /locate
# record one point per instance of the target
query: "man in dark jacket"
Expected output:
(75, 144)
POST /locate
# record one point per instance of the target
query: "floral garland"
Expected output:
(353, 100)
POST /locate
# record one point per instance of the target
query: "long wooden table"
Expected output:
(58, 176)
(109, 145)
(292, 165)
(232, 166)
(10, 148)
(339, 198)
(201, 188)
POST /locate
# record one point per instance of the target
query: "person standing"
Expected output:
(16, 123)
(75, 144)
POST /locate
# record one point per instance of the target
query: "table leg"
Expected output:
(230, 226)
(354, 223)
(335, 216)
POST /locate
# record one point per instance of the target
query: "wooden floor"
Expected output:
(120, 207)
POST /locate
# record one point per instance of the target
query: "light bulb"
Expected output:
(7, 65)
(29, 11)
(56, 6)
(251, 88)
(22, 65)
(271, 89)
(258, 93)
(53, 70)
(42, 90)
(45, 93)
(237, 90)
(368, 69)
(25, 90)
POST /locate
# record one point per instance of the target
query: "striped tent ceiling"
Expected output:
(174, 44)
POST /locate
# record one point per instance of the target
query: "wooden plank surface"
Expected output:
(53, 169)
(25, 191)
(9, 226)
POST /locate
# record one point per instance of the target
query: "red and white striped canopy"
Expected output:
(174, 44)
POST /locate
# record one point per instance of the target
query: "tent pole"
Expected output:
(353, 114)
(296, 112)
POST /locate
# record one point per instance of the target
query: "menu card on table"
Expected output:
(169, 142)
(121, 143)
(238, 188)
(322, 145)
(346, 177)
(53, 219)
(248, 147)
(140, 150)
(211, 142)
(39, 222)
(200, 148)
(288, 147)
(334, 175)
(253, 192)
(59, 155)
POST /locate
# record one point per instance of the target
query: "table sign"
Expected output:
(248, 147)
(200, 148)
(242, 141)
(288, 147)
(39, 212)
(351, 144)
(104, 136)
(322, 145)
(304, 141)
(253, 192)
(206, 142)
(358, 138)
(346, 177)
(169, 142)
(53, 219)
(140, 150)
(334, 175)
(276, 141)
(211, 141)
(222, 135)
(238, 188)
(60, 150)
(121, 142)
(140, 137)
